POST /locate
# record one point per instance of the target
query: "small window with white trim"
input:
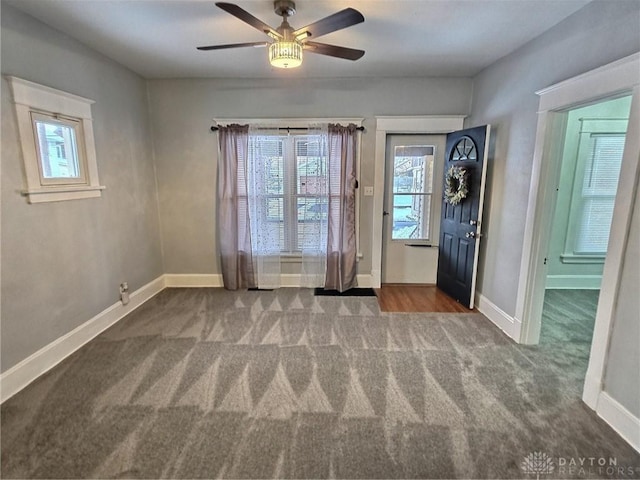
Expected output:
(56, 136)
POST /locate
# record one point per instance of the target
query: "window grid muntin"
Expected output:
(464, 150)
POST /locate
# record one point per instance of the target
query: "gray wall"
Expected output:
(504, 96)
(186, 151)
(623, 363)
(62, 262)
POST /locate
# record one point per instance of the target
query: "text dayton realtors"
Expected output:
(598, 465)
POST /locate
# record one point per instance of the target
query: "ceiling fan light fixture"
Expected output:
(285, 54)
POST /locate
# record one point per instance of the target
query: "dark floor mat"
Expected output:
(352, 292)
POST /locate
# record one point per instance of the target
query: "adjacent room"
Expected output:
(328, 239)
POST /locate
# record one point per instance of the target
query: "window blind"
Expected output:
(598, 193)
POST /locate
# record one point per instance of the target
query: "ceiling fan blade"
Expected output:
(234, 45)
(333, 50)
(342, 19)
(246, 17)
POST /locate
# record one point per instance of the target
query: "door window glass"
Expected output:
(412, 192)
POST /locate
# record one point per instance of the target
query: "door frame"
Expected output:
(432, 124)
(615, 78)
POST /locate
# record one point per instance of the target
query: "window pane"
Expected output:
(410, 217)
(274, 175)
(413, 169)
(311, 166)
(599, 188)
(312, 222)
(601, 177)
(272, 230)
(593, 233)
(58, 152)
(312, 209)
(269, 151)
(275, 209)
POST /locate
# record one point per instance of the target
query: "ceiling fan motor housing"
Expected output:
(284, 8)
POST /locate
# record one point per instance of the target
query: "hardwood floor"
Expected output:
(416, 298)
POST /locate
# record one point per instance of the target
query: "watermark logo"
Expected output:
(538, 463)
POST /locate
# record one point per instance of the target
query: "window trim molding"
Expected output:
(582, 258)
(32, 97)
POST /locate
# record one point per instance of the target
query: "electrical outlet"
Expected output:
(124, 293)
(368, 191)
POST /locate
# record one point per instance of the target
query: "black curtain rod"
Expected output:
(214, 128)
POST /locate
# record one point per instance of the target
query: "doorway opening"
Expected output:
(413, 201)
(589, 158)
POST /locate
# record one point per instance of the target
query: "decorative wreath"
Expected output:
(456, 185)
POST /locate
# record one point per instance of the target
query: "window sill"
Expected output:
(62, 193)
(570, 258)
(297, 258)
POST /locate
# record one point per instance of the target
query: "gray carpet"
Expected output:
(568, 319)
(568, 316)
(206, 383)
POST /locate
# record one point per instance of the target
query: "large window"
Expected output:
(294, 194)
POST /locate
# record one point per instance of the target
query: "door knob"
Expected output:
(472, 235)
(385, 213)
(473, 222)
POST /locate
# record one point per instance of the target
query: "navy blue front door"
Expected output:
(460, 223)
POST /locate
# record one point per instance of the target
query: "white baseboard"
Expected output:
(215, 280)
(25, 372)
(376, 279)
(193, 280)
(505, 322)
(573, 282)
(591, 390)
(620, 419)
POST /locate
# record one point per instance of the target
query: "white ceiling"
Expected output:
(157, 38)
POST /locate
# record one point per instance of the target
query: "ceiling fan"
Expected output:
(285, 49)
